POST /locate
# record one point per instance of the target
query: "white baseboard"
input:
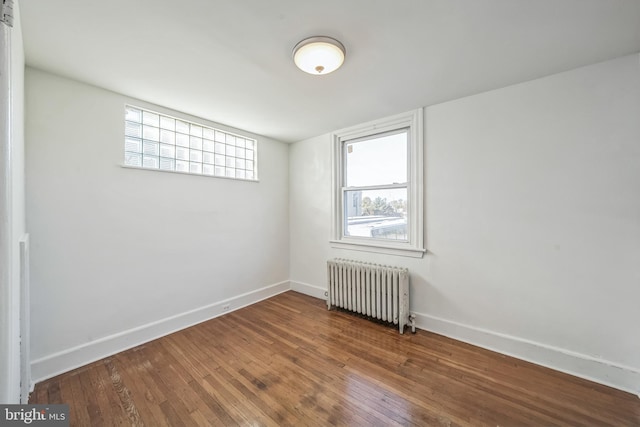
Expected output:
(601, 371)
(307, 289)
(598, 370)
(580, 365)
(57, 363)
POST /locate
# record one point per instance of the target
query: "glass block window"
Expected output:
(156, 141)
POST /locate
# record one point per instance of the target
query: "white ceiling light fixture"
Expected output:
(319, 55)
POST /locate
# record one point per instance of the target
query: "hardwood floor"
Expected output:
(289, 361)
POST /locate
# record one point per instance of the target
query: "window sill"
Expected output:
(122, 165)
(381, 249)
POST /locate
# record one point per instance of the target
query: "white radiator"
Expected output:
(372, 290)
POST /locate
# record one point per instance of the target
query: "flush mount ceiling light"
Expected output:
(319, 55)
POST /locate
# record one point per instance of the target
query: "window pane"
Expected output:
(132, 144)
(167, 136)
(182, 140)
(207, 169)
(379, 160)
(182, 127)
(182, 166)
(196, 143)
(151, 133)
(219, 148)
(150, 147)
(380, 214)
(195, 156)
(220, 136)
(219, 171)
(207, 158)
(150, 162)
(167, 123)
(133, 114)
(133, 129)
(208, 133)
(167, 164)
(195, 168)
(196, 130)
(167, 151)
(133, 159)
(182, 153)
(207, 145)
(150, 119)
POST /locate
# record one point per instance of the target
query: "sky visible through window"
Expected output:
(378, 161)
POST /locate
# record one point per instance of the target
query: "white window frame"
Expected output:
(414, 247)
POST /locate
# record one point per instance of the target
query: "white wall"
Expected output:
(121, 255)
(14, 208)
(532, 221)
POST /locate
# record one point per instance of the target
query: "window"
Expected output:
(378, 186)
(156, 141)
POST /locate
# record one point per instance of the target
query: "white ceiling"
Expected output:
(230, 60)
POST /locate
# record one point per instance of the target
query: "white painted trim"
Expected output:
(414, 120)
(9, 289)
(307, 289)
(25, 322)
(601, 371)
(66, 360)
(368, 247)
(122, 165)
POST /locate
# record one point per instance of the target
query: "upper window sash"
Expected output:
(359, 153)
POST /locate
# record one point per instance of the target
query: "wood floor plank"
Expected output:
(100, 385)
(53, 393)
(288, 361)
(235, 404)
(213, 403)
(122, 392)
(141, 397)
(93, 408)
